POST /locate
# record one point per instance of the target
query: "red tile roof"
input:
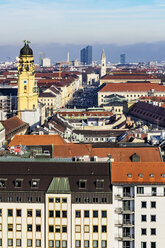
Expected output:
(132, 87)
(129, 76)
(30, 140)
(125, 172)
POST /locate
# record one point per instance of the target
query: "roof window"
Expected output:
(152, 175)
(99, 183)
(129, 175)
(18, 183)
(3, 182)
(82, 183)
(140, 175)
(163, 175)
(35, 183)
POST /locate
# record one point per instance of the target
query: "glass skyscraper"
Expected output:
(86, 55)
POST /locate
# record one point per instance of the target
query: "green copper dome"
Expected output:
(26, 50)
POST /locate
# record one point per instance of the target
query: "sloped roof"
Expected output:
(133, 87)
(12, 124)
(151, 172)
(59, 185)
(72, 150)
(30, 140)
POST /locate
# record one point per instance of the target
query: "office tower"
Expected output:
(86, 55)
(41, 57)
(122, 59)
(46, 62)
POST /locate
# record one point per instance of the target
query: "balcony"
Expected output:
(128, 223)
(118, 210)
(128, 237)
(119, 224)
(128, 196)
(128, 210)
(118, 197)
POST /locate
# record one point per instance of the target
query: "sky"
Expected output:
(120, 22)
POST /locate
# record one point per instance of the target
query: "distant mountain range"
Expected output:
(57, 52)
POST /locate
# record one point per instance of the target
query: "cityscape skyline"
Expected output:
(82, 22)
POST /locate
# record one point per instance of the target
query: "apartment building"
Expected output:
(55, 204)
(138, 200)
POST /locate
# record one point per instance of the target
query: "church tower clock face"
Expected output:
(27, 88)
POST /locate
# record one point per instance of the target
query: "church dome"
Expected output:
(26, 50)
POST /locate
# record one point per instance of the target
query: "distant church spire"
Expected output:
(103, 64)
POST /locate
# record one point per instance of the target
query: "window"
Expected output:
(153, 231)
(18, 242)
(29, 228)
(143, 204)
(0, 212)
(99, 183)
(64, 200)
(77, 228)
(29, 199)
(153, 218)
(18, 199)
(38, 213)
(95, 243)
(140, 175)
(51, 200)
(10, 242)
(140, 190)
(18, 212)
(78, 199)
(86, 228)
(35, 183)
(86, 243)
(152, 175)
(144, 218)
(95, 228)
(18, 183)
(38, 199)
(104, 200)
(57, 229)
(57, 243)
(64, 229)
(51, 228)
(29, 213)
(95, 199)
(78, 243)
(18, 227)
(38, 228)
(51, 243)
(154, 191)
(64, 214)
(95, 214)
(163, 175)
(0, 242)
(29, 243)
(10, 212)
(104, 229)
(10, 227)
(104, 213)
(143, 244)
(129, 175)
(86, 213)
(0, 227)
(38, 242)
(3, 183)
(51, 213)
(153, 204)
(103, 243)
(86, 200)
(82, 184)
(10, 199)
(57, 200)
(143, 231)
(78, 214)
(64, 243)
(57, 214)
(153, 244)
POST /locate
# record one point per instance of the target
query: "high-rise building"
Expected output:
(86, 55)
(46, 62)
(41, 57)
(122, 59)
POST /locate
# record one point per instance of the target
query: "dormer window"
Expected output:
(140, 175)
(18, 183)
(99, 183)
(129, 175)
(82, 183)
(3, 182)
(152, 175)
(163, 175)
(35, 183)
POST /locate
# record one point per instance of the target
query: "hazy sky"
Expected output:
(82, 21)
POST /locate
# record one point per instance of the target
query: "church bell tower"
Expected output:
(27, 88)
(103, 64)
